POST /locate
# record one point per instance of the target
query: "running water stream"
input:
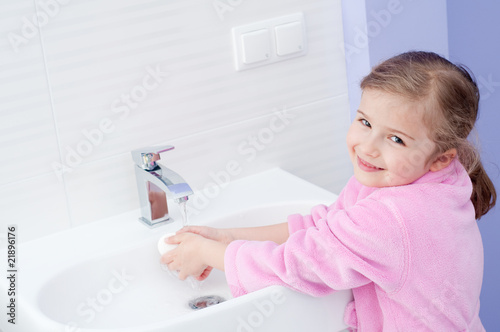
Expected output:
(199, 299)
(193, 282)
(183, 208)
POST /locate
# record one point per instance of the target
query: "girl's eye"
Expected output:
(397, 140)
(365, 123)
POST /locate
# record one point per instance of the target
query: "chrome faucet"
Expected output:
(155, 183)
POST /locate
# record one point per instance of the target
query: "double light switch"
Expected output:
(269, 41)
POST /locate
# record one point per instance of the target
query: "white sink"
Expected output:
(106, 276)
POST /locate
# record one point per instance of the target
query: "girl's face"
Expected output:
(387, 141)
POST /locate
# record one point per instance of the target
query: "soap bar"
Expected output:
(165, 247)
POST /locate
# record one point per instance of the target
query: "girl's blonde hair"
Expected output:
(452, 97)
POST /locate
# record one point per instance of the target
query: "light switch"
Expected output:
(270, 41)
(289, 38)
(255, 46)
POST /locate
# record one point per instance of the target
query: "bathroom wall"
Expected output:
(82, 83)
(376, 30)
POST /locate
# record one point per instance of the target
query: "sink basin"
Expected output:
(106, 276)
(96, 294)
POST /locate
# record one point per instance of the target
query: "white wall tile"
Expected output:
(308, 141)
(28, 141)
(102, 189)
(73, 78)
(90, 74)
(37, 206)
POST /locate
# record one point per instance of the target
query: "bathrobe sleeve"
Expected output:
(298, 222)
(334, 250)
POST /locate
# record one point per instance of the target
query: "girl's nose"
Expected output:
(369, 147)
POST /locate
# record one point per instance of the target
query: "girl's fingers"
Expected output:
(175, 239)
(183, 276)
(200, 230)
(186, 229)
(174, 266)
(167, 257)
(204, 275)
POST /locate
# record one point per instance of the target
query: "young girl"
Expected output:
(402, 233)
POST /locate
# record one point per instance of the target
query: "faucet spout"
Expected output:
(156, 183)
(171, 182)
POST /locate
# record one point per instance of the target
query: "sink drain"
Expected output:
(205, 301)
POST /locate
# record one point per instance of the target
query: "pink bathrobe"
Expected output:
(412, 255)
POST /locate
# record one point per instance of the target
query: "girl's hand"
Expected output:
(194, 255)
(187, 258)
(205, 274)
(220, 235)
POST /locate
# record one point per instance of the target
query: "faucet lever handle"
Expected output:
(146, 157)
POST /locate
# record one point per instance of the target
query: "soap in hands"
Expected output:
(165, 247)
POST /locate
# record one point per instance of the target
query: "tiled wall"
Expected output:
(100, 78)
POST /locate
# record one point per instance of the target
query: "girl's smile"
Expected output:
(367, 167)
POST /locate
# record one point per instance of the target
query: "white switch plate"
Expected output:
(256, 46)
(286, 39)
(289, 38)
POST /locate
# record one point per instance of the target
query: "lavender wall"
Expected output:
(474, 30)
(378, 29)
